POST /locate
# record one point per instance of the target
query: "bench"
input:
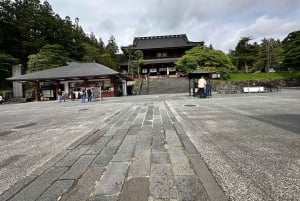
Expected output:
(253, 89)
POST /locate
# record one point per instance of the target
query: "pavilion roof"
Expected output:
(72, 71)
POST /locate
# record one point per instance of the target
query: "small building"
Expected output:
(195, 76)
(160, 53)
(74, 77)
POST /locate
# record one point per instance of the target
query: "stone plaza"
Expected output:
(168, 147)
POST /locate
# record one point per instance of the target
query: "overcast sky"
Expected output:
(218, 22)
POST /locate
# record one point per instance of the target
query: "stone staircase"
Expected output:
(164, 86)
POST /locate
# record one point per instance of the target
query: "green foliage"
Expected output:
(245, 54)
(6, 61)
(270, 55)
(264, 76)
(135, 59)
(49, 56)
(201, 57)
(291, 46)
(27, 26)
(257, 57)
(107, 60)
(187, 63)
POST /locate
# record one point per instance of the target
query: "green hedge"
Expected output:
(263, 76)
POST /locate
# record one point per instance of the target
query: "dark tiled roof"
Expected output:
(73, 70)
(198, 73)
(169, 41)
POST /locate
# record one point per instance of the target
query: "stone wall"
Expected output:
(237, 86)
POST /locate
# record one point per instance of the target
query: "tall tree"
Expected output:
(112, 47)
(291, 46)
(135, 58)
(6, 61)
(245, 54)
(271, 54)
(49, 56)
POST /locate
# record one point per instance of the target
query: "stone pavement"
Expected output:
(153, 148)
(140, 154)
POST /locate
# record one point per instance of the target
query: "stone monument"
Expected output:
(17, 86)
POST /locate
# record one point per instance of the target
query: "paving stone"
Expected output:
(144, 140)
(143, 110)
(105, 156)
(158, 132)
(114, 143)
(104, 198)
(112, 180)
(99, 145)
(93, 138)
(152, 199)
(169, 126)
(180, 162)
(136, 189)
(85, 185)
(33, 190)
(134, 131)
(189, 188)
(111, 132)
(119, 123)
(79, 167)
(157, 123)
(178, 128)
(17, 187)
(139, 118)
(172, 139)
(50, 163)
(209, 183)
(160, 158)
(78, 142)
(136, 126)
(126, 126)
(188, 145)
(158, 143)
(162, 184)
(120, 134)
(73, 156)
(156, 110)
(148, 122)
(56, 190)
(132, 117)
(140, 167)
(126, 149)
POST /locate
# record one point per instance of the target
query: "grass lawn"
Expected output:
(263, 76)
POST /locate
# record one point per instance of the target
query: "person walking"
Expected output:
(59, 95)
(201, 87)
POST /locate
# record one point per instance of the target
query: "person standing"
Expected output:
(1, 100)
(201, 87)
(208, 89)
(89, 95)
(59, 95)
(83, 96)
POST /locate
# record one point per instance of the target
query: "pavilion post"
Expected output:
(85, 84)
(36, 90)
(190, 86)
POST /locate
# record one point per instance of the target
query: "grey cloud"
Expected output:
(219, 22)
